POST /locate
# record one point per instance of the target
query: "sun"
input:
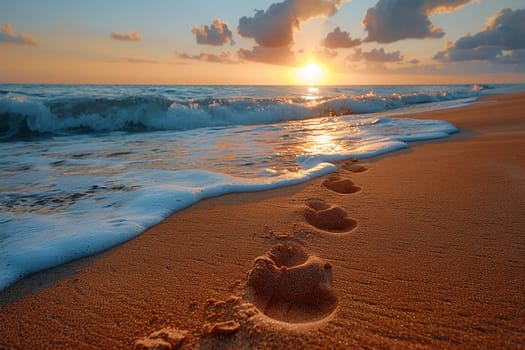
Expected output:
(311, 73)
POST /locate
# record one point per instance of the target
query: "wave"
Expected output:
(25, 117)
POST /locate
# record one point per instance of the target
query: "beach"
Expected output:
(420, 248)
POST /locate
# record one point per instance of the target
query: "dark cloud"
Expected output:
(339, 40)
(376, 56)
(481, 53)
(414, 61)
(501, 41)
(392, 20)
(283, 56)
(218, 33)
(514, 57)
(505, 29)
(223, 57)
(276, 26)
(273, 30)
(8, 35)
(131, 36)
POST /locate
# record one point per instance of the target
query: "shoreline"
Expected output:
(436, 259)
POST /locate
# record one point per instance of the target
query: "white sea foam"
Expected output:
(41, 240)
(64, 197)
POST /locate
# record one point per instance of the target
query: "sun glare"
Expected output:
(311, 74)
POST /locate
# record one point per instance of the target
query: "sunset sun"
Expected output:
(311, 73)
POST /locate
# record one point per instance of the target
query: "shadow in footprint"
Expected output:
(340, 185)
(328, 217)
(289, 285)
(354, 167)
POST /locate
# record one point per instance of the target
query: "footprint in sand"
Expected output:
(353, 166)
(340, 185)
(287, 284)
(166, 338)
(327, 217)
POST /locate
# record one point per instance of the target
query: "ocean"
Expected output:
(86, 167)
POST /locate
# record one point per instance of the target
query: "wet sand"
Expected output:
(422, 248)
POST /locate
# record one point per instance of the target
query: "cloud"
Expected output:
(339, 40)
(376, 56)
(218, 33)
(501, 41)
(455, 54)
(131, 36)
(326, 54)
(505, 29)
(276, 26)
(283, 56)
(223, 57)
(514, 57)
(392, 20)
(8, 35)
(273, 30)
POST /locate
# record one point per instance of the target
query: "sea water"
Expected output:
(86, 167)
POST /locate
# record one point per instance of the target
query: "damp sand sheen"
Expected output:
(402, 250)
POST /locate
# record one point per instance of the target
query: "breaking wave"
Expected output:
(25, 117)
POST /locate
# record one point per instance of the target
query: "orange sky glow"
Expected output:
(342, 42)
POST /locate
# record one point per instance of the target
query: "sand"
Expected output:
(422, 248)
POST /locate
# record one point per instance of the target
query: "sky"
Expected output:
(270, 42)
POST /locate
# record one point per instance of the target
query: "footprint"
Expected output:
(353, 166)
(327, 217)
(340, 185)
(166, 338)
(289, 285)
(226, 327)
